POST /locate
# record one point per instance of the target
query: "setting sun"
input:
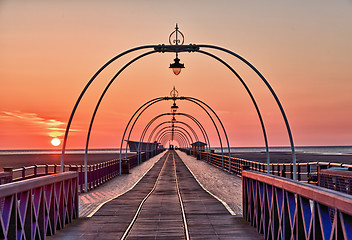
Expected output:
(55, 142)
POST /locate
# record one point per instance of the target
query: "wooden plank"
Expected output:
(161, 217)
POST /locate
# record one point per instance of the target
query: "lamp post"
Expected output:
(176, 66)
(177, 46)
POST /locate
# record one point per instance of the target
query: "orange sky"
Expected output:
(50, 49)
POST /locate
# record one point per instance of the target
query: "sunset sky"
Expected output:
(50, 49)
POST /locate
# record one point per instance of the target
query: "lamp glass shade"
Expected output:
(176, 71)
(177, 66)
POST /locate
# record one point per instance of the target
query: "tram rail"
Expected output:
(169, 157)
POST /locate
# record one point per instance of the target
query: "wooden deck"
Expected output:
(161, 215)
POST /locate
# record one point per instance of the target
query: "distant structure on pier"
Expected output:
(142, 146)
(198, 146)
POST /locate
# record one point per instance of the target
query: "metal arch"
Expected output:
(204, 133)
(151, 122)
(216, 128)
(149, 103)
(175, 132)
(86, 88)
(228, 145)
(96, 109)
(148, 125)
(187, 125)
(167, 137)
(190, 116)
(274, 95)
(167, 127)
(150, 136)
(165, 98)
(178, 140)
(180, 143)
(253, 101)
(110, 83)
(181, 48)
(176, 127)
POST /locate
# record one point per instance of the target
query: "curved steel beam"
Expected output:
(96, 109)
(166, 122)
(145, 105)
(194, 100)
(176, 127)
(182, 48)
(148, 125)
(177, 133)
(180, 142)
(204, 133)
(194, 119)
(253, 101)
(273, 94)
(216, 128)
(177, 138)
(62, 169)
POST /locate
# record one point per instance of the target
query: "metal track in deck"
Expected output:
(167, 203)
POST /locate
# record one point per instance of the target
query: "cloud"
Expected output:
(32, 117)
(52, 127)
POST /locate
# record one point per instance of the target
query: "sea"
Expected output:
(328, 150)
(331, 150)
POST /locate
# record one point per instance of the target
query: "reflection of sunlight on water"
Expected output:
(75, 151)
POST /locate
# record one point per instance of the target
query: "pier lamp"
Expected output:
(174, 108)
(176, 66)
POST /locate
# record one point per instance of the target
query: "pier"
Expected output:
(167, 203)
(166, 200)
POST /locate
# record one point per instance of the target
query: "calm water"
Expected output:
(335, 150)
(75, 151)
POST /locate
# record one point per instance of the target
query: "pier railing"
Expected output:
(38, 207)
(306, 172)
(281, 208)
(97, 173)
(335, 179)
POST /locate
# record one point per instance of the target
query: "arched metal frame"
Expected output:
(205, 135)
(211, 118)
(175, 132)
(176, 49)
(194, 100)
(167, 137)
(179, 140)
(153, 101)
(175, 127)
(175, 122)
(166, 122)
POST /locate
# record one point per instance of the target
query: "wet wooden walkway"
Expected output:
(161, 216)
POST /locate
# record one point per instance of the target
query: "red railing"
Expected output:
(306, 172)
(335, 179)
(282, 208)
(38, 207)
(97, 174)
